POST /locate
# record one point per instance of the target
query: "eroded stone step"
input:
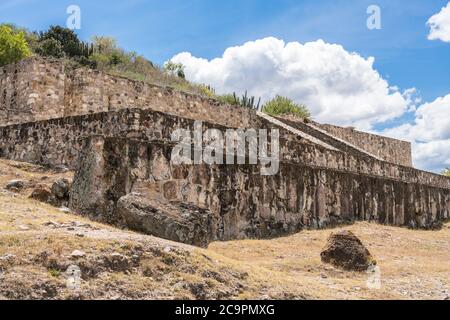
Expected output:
(296, 131)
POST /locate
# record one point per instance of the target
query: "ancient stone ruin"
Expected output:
(116, 134)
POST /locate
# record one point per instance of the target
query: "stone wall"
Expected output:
(391, 150)
(31, 90)
(122, 129)
(57, 141)
(38, 89)
(316, 186)
(242, 202)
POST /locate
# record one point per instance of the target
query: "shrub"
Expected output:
(50, 48)
(227, 99)
(206, 91)
(247, 102)
(141, 65)
(176, 69)
(285, 106)
(244, 101)
(446, 172)
(115, 59)
(61, 42)
(107, 55)
(13, 45)
(104, 45)
(32, 38)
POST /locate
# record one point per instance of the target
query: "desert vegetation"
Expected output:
(446, 172)
(13, 45)
(104, 53)
(285, 106)
(101, 53)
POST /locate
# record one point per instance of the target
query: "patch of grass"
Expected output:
(54, 273)
(245, 101)
(284, 106)
(10, 241)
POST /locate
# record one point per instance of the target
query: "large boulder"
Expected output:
(61, 188)
(180, 222)
(57, 196)
(41, 194)
(344, 250)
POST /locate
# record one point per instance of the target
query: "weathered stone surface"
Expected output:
(179, 222)
(77, 254)
(390, 150)
(346, 251)
(129, 126)
(245, 204)
(60, 168)
(88, 194)
(38, 89)
(58, 141)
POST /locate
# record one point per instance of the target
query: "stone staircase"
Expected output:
(317, 136)
(296, 131)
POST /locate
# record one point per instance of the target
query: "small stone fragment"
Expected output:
(15, 185)
(78, 254)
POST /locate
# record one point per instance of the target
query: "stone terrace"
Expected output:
(52, 116)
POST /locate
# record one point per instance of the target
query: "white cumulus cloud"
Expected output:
(338, 86)
(430, 134)
(440, 25)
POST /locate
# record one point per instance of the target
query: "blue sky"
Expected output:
(161, 29)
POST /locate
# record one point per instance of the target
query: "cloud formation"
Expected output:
(430, 134)
(338, 86)
(440, 25)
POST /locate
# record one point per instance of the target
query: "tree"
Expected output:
(115, 59)
(68, 39)
(446, 172)
(50, 48)
(176, 69)
(32, 38)
(13, 46)
(104, 45)
(107, 54)
(284, 106)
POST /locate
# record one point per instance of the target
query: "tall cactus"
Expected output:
(246, 101)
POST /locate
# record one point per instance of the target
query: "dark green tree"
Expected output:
(50, 48)
(68, 39)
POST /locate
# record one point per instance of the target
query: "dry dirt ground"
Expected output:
(49, 253)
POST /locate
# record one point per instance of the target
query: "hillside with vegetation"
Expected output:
(104, 54)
